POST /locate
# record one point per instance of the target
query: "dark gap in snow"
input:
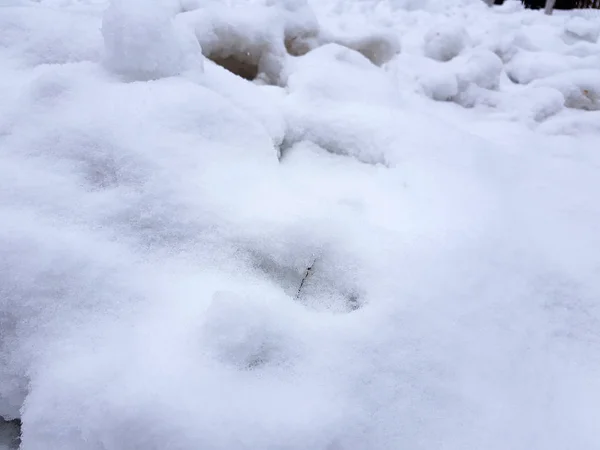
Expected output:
(297, 47)
(10, 433)
(235, 65)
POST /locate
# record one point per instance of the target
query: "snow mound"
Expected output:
(256, 41)
(440, 84)
(481, 68)
(445, 42)
(526, 66)
(248, 40)
(378, 47)
(355, 78)
(326, 110)
(535, 103)
(300, 25)
(463, 80)
(580, 28)
(143, 42)
(261, 103)
(509, 45)
(580, 88)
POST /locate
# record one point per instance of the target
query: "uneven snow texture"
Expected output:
(386, 237)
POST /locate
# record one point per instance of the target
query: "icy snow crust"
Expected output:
(434, 163)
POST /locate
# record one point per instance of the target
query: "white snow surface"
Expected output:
(389, 240)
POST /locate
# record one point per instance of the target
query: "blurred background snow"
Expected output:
(290, 224)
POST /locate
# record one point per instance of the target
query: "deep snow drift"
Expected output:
(385, 237)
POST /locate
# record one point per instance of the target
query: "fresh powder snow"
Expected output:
(299, 224)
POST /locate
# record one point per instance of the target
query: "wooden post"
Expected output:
(549, 7)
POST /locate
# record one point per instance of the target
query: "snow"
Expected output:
(265, 224)
(445, 42)
(249, 34)
(581, 88)
(9, 435)
(32, 36)
(587, 30)
(143, 43)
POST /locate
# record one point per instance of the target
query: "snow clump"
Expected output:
(143, 42)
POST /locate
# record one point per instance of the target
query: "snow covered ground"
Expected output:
(390, 239)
